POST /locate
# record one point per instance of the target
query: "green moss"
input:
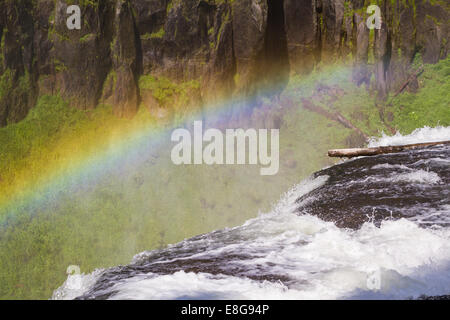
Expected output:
(348, 11)
(87, 37)
(172, 4)
(15, 88)
(430, 105)
(5, 83)
(155, 35)
(164, 90)
(84, 3)
(427, 107)
(59, 66)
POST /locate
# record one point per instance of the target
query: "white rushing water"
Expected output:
(397, 260)
(422, 135)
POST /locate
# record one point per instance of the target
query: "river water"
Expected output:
(367, 228)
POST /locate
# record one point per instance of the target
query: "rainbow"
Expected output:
(128, 150)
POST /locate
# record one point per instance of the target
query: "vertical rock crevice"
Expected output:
(219, 84)
(273, 65)
(303, 34)
(382, 54)
(127, 61)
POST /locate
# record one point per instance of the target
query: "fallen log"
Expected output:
(359, 152)
(337, 117)
(410, 78)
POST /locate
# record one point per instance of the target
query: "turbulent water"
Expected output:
(371, 228)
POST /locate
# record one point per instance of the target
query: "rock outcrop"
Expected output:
(125, 52)
(18, 77)
(81, 59)
(303, 34)
(238, 48)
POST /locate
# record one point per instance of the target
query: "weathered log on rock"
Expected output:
(358, 152)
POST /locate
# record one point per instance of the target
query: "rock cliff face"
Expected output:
(233, 47)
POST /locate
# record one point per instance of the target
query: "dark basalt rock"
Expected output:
(219, 82)
(361, 74)
(303, 34)
(81, 58)
(446, 297)
(43, 46)
(333, 17)
(367, 189)
(125, 55)
(249, 26)
(151, 17)
(432, 31)
(231, 45)
(18, 90)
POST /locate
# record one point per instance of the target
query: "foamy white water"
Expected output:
(287, 254)
(76, 285)
(399, 260)
(421, 135)
(411, 176)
